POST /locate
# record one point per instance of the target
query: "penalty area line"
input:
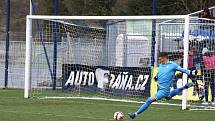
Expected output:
(108, 99)
(126, 101)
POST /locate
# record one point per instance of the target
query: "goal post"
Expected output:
(108, 48)
(185, 61)
(28, 57)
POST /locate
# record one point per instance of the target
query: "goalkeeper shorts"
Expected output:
(162, 94)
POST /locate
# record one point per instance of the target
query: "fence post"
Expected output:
(7, 42)
(154, 12)
(55, 46)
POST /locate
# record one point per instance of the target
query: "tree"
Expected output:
(138, 7)
(166, 7)
(88, 7)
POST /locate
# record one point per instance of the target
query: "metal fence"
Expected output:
(16, 60)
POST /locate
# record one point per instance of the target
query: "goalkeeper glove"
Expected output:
(156, 78)
(193, 73)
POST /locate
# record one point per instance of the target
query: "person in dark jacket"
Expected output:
(206, 14)
(209, 74)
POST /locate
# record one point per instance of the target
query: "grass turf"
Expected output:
(13, 107)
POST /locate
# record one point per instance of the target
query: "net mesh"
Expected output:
(95, 58)
(115, 59)
(201, 54)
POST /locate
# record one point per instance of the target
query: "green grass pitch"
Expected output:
(13, 107)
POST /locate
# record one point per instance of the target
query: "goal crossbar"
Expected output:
(107, 17)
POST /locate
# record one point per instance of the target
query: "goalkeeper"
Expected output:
(164, 77)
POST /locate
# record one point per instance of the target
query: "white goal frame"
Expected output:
(28, 58)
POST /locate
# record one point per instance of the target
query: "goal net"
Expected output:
(104, 57)
(202, 58)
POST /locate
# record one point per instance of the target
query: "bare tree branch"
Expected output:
(164, 6)
(185, 6)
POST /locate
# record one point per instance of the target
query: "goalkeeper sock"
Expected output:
(176, 91)
(144, 106)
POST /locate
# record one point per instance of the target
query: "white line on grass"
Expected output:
(127, 101)
(111, 104)
(107, 99)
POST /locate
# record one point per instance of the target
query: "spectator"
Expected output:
(209, 74)
(192, 67)
(190, 61)
(206, 14)
(208, 24)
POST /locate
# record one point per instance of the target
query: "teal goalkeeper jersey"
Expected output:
(166, 73)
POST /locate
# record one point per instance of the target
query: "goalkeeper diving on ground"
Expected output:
(165, 75)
